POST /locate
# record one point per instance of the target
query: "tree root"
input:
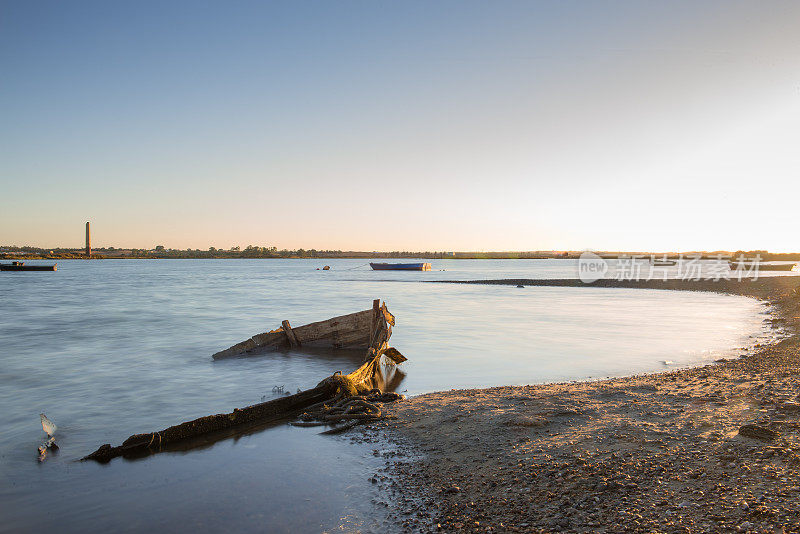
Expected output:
(355, 409)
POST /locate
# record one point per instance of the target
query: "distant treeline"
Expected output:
(251, 251)
(160, 251)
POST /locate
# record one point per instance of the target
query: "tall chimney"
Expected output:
(88, 241)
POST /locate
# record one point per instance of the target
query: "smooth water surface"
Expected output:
(110, 348)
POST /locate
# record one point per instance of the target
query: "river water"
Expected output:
(115, 347)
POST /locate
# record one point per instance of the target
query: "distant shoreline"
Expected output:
(184, 255)
(764, 288)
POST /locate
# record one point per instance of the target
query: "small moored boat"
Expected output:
(400, 266)
(20, 266)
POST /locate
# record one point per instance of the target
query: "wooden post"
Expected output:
(376, 310)
(290, 335)
(88, 241)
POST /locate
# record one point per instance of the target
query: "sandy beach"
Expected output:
(708, 449)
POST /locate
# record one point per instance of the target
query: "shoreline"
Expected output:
(710, 448)
(762, 288)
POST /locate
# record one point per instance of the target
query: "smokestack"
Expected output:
(88, 241)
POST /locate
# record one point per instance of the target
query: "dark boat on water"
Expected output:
(20, 266)
(400, 266)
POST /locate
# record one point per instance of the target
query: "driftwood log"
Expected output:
(335, 386)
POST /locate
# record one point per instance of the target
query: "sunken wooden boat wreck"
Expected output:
(354, 330)
(334, 386)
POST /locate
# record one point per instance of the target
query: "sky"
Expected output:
(370, 125)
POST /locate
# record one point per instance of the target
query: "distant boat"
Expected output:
(400, 266)
(20, 266)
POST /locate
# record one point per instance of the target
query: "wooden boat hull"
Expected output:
(8, 267)
(273, 410)
(346, 331)
(400, 266)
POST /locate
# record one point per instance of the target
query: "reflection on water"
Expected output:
(110, 348)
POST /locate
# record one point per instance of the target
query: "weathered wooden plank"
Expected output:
(290, 336)
(394, 355)
(376, 310)
(325, 329)
(356, 339)
(343, 331)
(386, 315)
(264, 412)
(272, 338)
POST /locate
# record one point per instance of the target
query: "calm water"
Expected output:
(109, 348)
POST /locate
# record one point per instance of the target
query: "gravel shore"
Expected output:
(709, 449)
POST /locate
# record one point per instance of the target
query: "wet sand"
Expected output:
(708, 449)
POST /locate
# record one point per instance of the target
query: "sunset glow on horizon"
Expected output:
(458, 126)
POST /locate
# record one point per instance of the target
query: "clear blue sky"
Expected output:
(408, 125)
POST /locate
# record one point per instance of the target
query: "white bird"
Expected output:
(48, 426)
